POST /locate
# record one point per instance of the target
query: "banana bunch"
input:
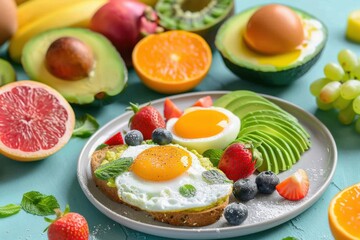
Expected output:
(36, 16)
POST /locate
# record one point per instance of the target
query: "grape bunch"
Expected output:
(340, 88)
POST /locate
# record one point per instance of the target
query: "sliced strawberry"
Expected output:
(116, 139)
(203, 102)
(171, 110)
(294, 187)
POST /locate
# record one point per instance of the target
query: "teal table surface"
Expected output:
(56, 175)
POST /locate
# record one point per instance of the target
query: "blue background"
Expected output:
(56, 175)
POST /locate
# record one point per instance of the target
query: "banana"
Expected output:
(34, 9)
(75, 15)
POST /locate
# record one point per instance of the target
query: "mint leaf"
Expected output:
(39, 204)
(85, 126)
(9, 210)
(101, 146)
(113, 168)
(214, 155)
(215, 177)
(187, 190)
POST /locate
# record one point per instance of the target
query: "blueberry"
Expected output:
(161, 136)
(266, 182)
(244, 189)
(235, 213)
(133, 138)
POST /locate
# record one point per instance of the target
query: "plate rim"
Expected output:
(204, 233)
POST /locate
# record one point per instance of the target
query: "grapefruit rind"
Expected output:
(19, 155)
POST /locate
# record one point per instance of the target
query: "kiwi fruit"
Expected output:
(7, 72)
(203, 17)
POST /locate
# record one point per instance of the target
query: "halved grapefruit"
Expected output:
(35, 121)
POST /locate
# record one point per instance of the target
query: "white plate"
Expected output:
(264, 211)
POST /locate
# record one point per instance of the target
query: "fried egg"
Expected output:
(157, 174)
(204, 128)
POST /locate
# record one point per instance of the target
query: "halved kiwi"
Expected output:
(7, 72)
(203, 17)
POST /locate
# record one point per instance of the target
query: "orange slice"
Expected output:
(35, 121)
(172, 62)
(344, 214)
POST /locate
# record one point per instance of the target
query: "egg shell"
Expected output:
(274, 29)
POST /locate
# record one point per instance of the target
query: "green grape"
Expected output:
(355, 72)
(347, 115)
(347, 76)
(347, 59)
(334, 71)
(350, 89)
(330, 92)
(317, 85)
(357, 125)
(356, 104)
(341, 103)
(323, 106)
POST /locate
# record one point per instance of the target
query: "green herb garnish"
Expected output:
(85, 126)
(187, 190)
(9, 210)
(101, 146)
(290, 238)
(39, 204)
(113, 168)
(215, 177)
(214, 156)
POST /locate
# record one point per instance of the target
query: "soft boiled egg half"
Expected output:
(168, 178)
(204, 128)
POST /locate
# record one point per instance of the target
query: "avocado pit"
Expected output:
(69, 58)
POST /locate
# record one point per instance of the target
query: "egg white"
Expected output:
(219, 141)
(164, 196)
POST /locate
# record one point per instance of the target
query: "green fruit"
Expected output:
(203, 17)
(280, 69)
(106, 77)
(282, 138)
(7, 72)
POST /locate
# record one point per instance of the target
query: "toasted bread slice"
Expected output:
(180, 218)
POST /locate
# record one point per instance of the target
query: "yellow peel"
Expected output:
(353, 26)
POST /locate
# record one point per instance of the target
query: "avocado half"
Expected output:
(108, 76)
(203, 17)
(281, 69)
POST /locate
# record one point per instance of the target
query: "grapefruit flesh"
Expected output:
(35, 121)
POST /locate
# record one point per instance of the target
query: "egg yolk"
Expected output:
(161, 163)
(274, 29)
(201, 124)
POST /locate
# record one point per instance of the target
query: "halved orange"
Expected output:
(344, 214)
(172, 62)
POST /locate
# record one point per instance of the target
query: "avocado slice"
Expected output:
(276, 160)
(108, 76)
(280, 121)
(267, 154)
(282, 158)
(279, 116)
(280, 69)
(243, 109)
(225, 99)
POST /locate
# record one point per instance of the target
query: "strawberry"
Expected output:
(171, 110)
(240, 160)
(146, 120)
(294, 187)
(203, 102)
(68, 226)
(116, 139)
